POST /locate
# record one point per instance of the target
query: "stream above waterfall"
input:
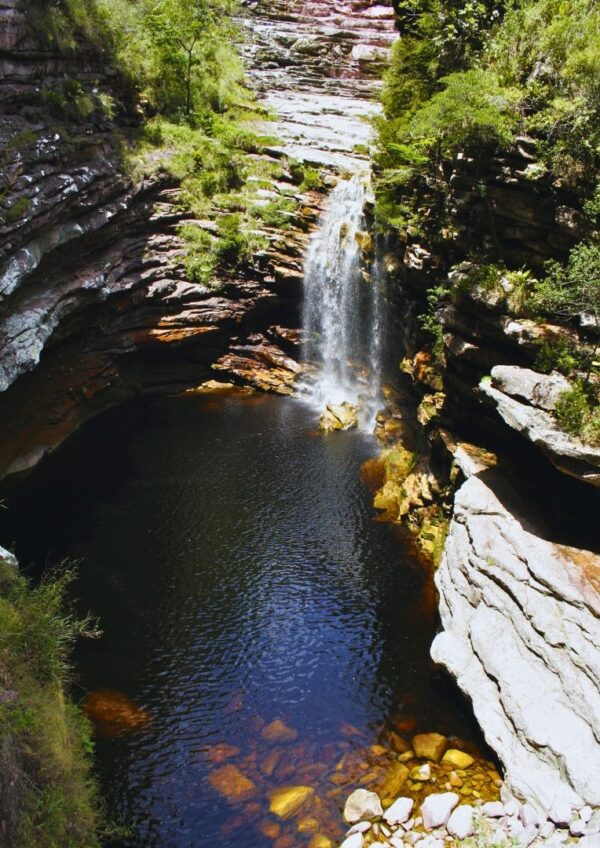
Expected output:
(231, 554)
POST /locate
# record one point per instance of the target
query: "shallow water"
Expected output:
(232, 556)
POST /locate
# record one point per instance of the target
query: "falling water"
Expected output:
(343, 305)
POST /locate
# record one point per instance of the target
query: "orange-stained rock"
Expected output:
(286, 841)
(113, 712)
(269, 763)
(278, 731)
(219, 753)
(270, 829)
(230, 782)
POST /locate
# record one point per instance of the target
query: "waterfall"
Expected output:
(343, 311)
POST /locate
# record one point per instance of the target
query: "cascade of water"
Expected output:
(343, 306)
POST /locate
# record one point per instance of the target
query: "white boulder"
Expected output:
(399, 812)
(362, 805)
(436, 809)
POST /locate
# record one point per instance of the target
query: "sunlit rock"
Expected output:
(362, 805)
(364, 240)
(230, 782)
(436, 809)
(458, 759)
(289, 800)
(429, 746)
(113, 712)
(339, 416)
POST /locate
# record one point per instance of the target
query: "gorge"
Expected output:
(265, 631)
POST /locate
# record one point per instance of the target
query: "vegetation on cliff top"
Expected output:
(479, 77)
(48, 797)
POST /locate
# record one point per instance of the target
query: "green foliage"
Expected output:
(578, 413)
(179, 55)
(559, 355)
(572, 288)
(45, 740)
(472, 109)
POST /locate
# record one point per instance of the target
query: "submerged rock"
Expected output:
(429, 746)
(339, 416)
(230, 782)
(113, 712)
(458, 759)
(278, 731)
(289, 800)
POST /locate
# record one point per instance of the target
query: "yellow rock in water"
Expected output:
(395, 778)
(429, 746)
(320, 841)
(289, 800)
(457, 758)
(307, 824)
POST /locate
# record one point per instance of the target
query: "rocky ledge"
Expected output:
(521, 634)
(524, 400)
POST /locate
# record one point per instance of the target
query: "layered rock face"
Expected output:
(318, 65)
(94, 301)
(521, 618)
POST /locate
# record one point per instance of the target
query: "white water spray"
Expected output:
(343, 306)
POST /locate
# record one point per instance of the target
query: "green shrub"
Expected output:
(578, 413)
(45, 741)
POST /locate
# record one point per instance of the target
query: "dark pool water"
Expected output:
(232, 557)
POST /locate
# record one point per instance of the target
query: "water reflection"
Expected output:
(271, 632)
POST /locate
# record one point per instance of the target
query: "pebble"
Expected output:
(585, 813)
(399, 812)
(396, 843)
(577, 827)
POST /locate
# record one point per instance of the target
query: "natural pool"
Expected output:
(231, 554)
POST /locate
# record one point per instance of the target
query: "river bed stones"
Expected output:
(429, 746)
(288, 800)
(230, 782)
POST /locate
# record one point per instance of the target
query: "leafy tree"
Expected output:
(195, 67)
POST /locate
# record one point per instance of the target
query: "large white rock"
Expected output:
(460, 823)
(568, 454)
(362, 805)
(399, 812)
(541, 390)
(521, 619)
(436, 809)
